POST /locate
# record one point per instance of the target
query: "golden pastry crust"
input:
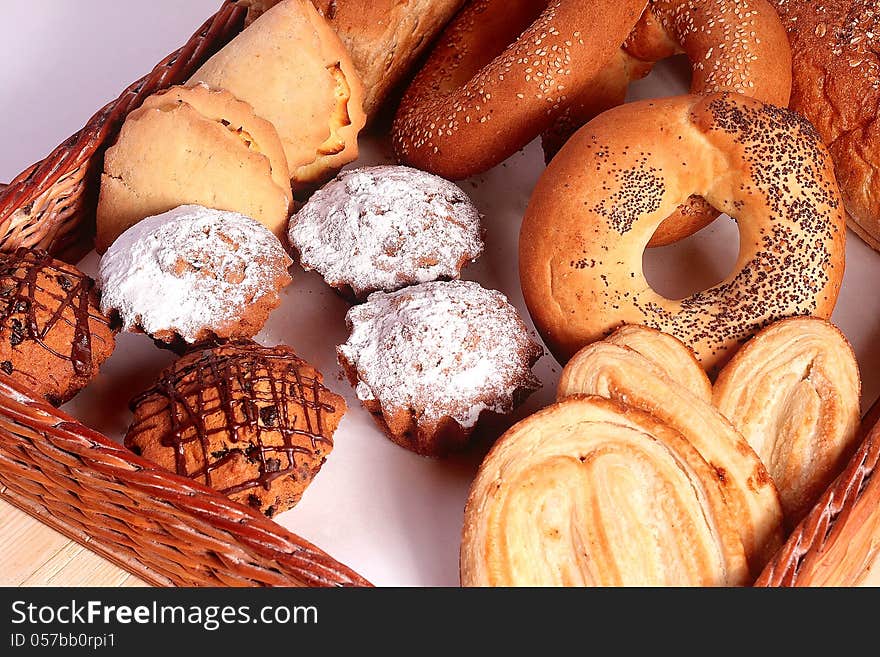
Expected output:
(836, 56)
(292, 68)
(193, 145)
(254, 422)
(599, 202)
(675, 359)
(617, 372)
(793, 392)
(386, 38)
(589, 492)
(53, 337)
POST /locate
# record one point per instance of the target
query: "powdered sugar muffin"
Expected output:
(194, 274)
(428, 360)
(385, 227)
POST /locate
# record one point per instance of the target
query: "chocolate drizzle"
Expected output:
(26, 300)
(240, 401)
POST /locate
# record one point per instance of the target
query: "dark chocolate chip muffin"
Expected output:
(53, 337)
(254, 422)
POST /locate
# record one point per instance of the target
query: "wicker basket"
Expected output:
(838, 540)
(165, 529)
(172, 531)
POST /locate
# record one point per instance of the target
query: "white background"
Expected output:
(392, 516)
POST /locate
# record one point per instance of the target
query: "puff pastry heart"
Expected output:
(621, 374)
(590, 492)
(670, 354)
(793, 392)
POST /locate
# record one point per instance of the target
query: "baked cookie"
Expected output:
(193, 145)
(385, 227)
(254, 422)
(53, 338)
(428, 360)
(292, 68)
(194, 273)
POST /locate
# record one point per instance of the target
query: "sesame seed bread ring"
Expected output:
(733, 45)
(480, 97)
(603, 196)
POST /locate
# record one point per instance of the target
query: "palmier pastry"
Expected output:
(193, 145)
(254, 422)
(478, 100)
(428, 360)
(194, 274)
(53, 337)
(674, 359)
(619, 373)
(603, 196)
(292, 68)
(385, 227)
(793, 391)
(589, 492)
(836, 55)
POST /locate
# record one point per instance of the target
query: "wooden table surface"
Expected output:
(32, 554)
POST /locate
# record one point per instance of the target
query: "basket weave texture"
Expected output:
(834, 545)
(163, 528)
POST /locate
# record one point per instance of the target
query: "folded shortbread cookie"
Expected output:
(193, 145)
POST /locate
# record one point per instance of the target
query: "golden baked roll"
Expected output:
(589, 492)
(384, 37)
(836, 84)
(793, 392)
(672, 356)
(292, 68)
(193, 145)
(621, 374)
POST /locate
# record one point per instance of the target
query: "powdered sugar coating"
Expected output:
(385, 227)
(191, 271)
(445, 348)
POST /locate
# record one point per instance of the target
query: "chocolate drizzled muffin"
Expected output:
(53, 338)
(254, 422)
(384, 227)
(428, 360)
